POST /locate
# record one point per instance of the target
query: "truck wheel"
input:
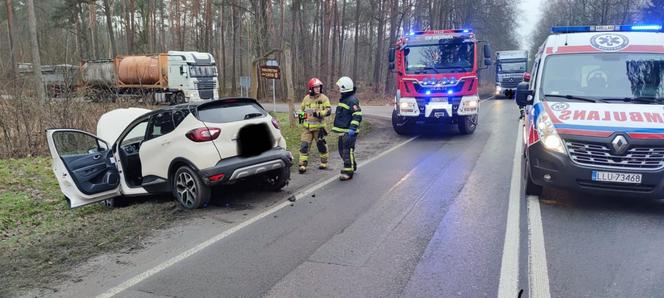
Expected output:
(179, 98)
(189, 189)
(401, 125)
(277, 179)
(467, 124)
(532, 189)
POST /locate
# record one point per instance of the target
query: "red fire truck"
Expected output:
(436, 79)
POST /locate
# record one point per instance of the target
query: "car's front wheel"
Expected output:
(277, 179)
(114, 202)
(189, 189)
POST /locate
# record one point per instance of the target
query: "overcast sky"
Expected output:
(529, 15)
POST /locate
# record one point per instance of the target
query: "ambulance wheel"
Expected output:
(401, 125)
(467, 124)
(532, 189)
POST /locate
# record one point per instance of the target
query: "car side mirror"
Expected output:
(182, 70)
(488, 62)
(526, 77)
(391, 66)
(390, 55)
(524, 96)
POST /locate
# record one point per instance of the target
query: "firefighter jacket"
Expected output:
(348, 114)
(315, 104)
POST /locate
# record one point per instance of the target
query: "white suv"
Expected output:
(184, 149)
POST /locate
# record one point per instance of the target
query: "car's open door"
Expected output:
(84, 166)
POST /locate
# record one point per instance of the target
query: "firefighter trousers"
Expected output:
(307, 138)
(347, 153)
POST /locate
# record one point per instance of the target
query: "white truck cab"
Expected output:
(595, 111)
(193, 73)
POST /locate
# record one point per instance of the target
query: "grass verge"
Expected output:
(292, 136)
(41, 238)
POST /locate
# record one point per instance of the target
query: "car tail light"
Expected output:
(275, 123)
(203, 134)
(216, 178)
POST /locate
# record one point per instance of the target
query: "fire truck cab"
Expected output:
(436, 79)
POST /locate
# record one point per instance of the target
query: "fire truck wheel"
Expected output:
(401, 125)
(467, 124)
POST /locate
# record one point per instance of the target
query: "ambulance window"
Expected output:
(592, 75)
(533, 79)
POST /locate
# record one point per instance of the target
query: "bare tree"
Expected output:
(109, 24)
(12, 38)
(357, 38)
(34, 45)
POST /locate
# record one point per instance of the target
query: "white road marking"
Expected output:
(538, 272)
(508, 285)
(170, 262)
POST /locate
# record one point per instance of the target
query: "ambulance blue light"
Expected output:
(570, 29)
(646, 27)
(427, 92)
(450, 92)
(605, 28)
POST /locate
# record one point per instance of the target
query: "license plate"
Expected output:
(439, 99)
(439, 114)
(617, 177)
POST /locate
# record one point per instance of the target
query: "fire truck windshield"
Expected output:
(439, 58)
(607, 76)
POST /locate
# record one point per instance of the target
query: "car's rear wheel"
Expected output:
(467, 124)
(401, 125)
(189, 189)
(277, 179)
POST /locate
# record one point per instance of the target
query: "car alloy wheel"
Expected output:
(186, 189)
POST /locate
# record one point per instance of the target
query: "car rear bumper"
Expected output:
(568, 175)
(236, 168)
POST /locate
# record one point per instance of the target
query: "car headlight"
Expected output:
(498, 89)
(548, 134)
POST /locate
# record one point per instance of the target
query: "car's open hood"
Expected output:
(113, 123)
(604, 119)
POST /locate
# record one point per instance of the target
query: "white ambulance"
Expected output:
(595, 111)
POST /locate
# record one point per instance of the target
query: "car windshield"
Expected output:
(446, 57)
(203, 70)
(607, 76)
(512, 66)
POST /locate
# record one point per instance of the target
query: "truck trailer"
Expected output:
(510, 67)
(173, 77)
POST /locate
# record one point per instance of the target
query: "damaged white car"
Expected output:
(184, 149)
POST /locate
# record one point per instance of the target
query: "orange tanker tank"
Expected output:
(141, 70)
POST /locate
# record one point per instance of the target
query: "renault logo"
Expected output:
(619, 145)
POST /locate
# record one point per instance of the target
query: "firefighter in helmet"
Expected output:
(314, 109)
(347, 120)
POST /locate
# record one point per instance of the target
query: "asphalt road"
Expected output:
(440, 215)
(427, 219)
